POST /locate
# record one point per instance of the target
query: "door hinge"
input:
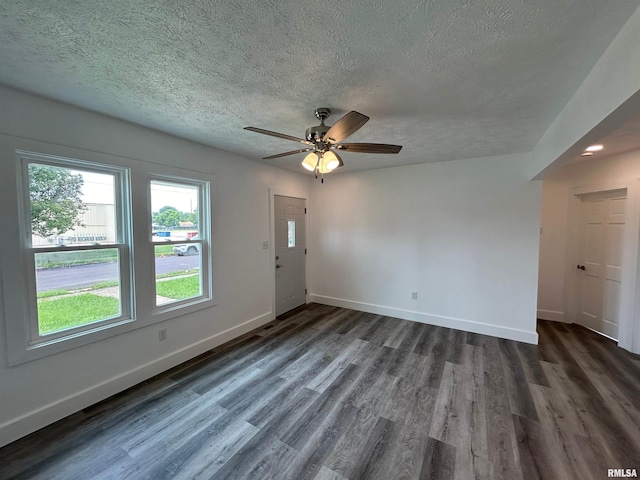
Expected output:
(305, 210)
(305, 251)
(305, 291)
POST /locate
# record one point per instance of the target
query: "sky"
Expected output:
(98, 188)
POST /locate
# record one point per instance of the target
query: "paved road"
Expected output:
(82, 276)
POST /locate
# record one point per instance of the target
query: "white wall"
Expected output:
(39, 392)
(463, 234)
(555, 253)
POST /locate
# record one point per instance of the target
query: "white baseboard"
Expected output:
(552, 315)
(46, 415)
(449, 322)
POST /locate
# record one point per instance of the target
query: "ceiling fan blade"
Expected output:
(287, 153)
(369, 147)
(279, 135)
(347, 125)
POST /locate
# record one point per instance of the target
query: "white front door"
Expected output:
(290, 253)
(600, 266)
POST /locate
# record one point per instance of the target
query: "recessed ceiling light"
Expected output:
(594, 148)
(587, 154)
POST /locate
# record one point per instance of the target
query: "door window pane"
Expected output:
(291, 233)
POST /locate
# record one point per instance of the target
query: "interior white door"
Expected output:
(290, 253)
(600, 268)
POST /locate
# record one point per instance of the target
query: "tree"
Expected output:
(190, 217)
(56, 200)
(168, 217)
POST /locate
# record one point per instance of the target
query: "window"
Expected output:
(179, 240)
(77, 245)
(70, 275)
(291, 233)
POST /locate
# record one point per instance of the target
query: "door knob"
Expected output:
(581, 267)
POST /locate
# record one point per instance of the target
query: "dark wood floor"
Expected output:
(328, 393)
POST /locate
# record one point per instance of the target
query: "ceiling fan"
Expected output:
(322, 141)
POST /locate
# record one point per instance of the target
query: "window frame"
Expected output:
(15, 295)
(123, 244)
(204, 240)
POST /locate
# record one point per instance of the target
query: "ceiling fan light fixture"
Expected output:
(322, 165)
(310, 161)
(322, 139)
(332, 160)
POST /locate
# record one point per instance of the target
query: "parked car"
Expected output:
(187, 249)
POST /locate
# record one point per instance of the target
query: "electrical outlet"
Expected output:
(414, 295)
(265, 245)
(162, 334)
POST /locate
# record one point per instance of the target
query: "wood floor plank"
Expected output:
(138, 439)
(328, 403)
(413, 442)
(335, 368)
(401, 355)
(269, 467)
(502, 447)
(566, 403)
(516, 381)
(530, 360)
(398, 335)
(319, 446)
(343, 458)
(439, 461)
(211, 459)
(369, 464)
(457, 339)
(383, 332)
(350, 322)
(388, 399)
(330, 321)
(537, 455)
(266, 442)
(85, 464)
(610, 428)
(429, 336)
(450, 405)
(472, 456)
(367, 326)
(327, 474)
(370, 370)
(560, 441)
(605, 364)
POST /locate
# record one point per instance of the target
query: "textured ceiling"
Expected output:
(447, 79)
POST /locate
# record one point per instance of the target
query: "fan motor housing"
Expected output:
(316, 134)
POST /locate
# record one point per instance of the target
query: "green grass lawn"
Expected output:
(163, 250)
(179, 288)
(75, 310)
